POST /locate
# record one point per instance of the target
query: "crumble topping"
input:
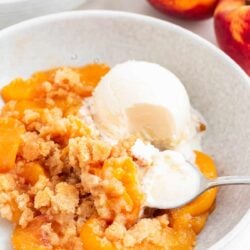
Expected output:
(69, 188)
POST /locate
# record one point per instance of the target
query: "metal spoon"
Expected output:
(206, 184)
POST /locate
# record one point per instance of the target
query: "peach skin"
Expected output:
(188, 9)
(232, 28)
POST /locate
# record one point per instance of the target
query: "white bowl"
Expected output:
(14, 11)
(218, 88)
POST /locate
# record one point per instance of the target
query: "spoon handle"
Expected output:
(229, 180)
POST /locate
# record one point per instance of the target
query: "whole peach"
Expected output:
(189, 9)
(232, 28)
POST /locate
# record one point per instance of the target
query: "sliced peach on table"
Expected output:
(31, 172)
(31, 237)
(92, 236)
(10, 139)
(124, 170)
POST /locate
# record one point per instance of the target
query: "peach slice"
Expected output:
(31, 172)
(10, 139)
(198, 222)
(90, 75)
(91, 235)
(124, 170)
(31, 237)
(19, 89)
(194, 214)
(204, 202)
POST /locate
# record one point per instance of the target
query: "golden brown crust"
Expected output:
(82, 177)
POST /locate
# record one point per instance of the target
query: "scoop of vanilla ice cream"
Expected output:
(170, 180)
(142, 98)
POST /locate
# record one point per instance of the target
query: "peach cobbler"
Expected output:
(77, 150)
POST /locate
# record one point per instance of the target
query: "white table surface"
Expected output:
(239, 237)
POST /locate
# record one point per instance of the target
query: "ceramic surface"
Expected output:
(14, 11)
(218, 88)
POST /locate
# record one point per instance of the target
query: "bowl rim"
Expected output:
(8, 2)
(147, 20)
(12, 2)
(113, 14)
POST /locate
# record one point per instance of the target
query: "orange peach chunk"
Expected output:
(10, 139)
(90, 75)
(124, 170)
(198, 222)
(194, 215)
(16, 213)
(205, 201)
(31, 237)
(91, 235)
(19, 89)
(31, 172)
